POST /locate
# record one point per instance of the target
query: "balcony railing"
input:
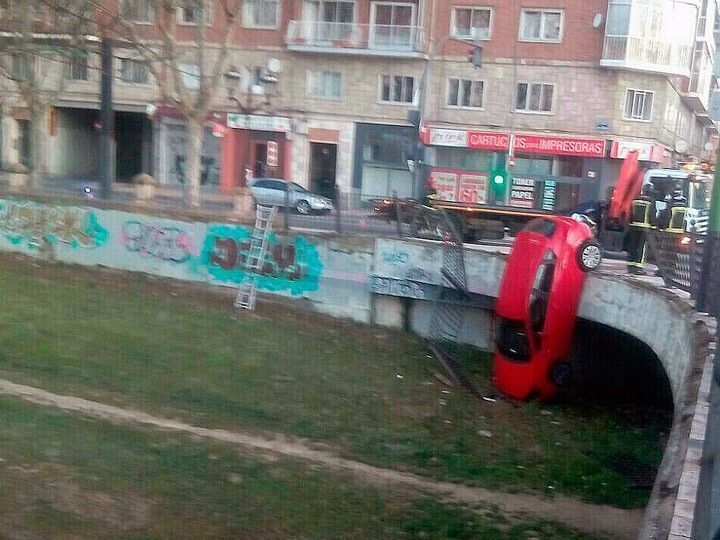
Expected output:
(647, 55)
(353, 38)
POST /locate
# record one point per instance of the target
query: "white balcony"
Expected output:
(647, 55)
(353, 38)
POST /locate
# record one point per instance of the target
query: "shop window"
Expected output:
(541, 25)
(261, 13)
(541, 166)
(472, 22)
(534, 97)
(570, 166)
(396, 88)
(638, 105)
(462, 158)
(566, 196)
(464, 93)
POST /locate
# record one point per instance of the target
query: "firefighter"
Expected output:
(642, 217)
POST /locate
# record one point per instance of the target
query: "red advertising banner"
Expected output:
(460, 186)
(488, 141)
(537, 144)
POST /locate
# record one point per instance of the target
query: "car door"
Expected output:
(261, 191)
(278, 192)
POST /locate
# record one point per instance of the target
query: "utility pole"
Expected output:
(107, 120)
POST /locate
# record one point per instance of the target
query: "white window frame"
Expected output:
(453, 25)
(246, 18)
(136, 20)
(129, 59)
(312, 73)
(473, 82)
(392, 76)
(542, 12)
(637, 91)
(208, 16)
(527, 98)
(70, 65)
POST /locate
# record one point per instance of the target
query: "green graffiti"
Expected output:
(291, 264)
(30, 223)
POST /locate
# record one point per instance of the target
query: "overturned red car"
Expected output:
(537, 306)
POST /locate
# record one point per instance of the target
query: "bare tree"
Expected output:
(186, 51)
(39, 39)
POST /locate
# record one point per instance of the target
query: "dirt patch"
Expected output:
(580, 515)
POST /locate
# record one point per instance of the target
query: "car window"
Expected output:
(545, 227)
(297, 187)
(540, 295)
(277, 184)
(261, 184)
(511, 340)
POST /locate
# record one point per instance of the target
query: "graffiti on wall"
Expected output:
(29, 224)
(165, 243)
(291, 264)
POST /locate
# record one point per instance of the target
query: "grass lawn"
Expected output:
(62, 476)
(180, 351)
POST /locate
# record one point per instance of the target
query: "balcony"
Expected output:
(647, 55)
(358, 39)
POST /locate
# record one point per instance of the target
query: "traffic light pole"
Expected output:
(107, 120)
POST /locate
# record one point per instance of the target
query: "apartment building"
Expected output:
(565, 90)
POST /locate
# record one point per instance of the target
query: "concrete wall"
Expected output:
(330, 276)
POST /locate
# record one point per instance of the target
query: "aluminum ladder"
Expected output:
(247, 291)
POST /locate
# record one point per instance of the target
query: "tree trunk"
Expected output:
(194, 148)
(38, 145)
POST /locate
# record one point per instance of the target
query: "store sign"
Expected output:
(549, 195)
(272, 154)
(522, 193)
(488, 141)
(258, 122)
(448, 137)
(460, 186)
(646, 151)
(562, 146)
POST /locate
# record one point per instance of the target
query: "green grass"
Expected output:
(63, 476)
(367, 392)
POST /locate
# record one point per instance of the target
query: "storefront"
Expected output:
(537, 171)
(254, 146)
(381, 168)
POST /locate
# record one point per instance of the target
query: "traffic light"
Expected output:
(475, 57)
(499, 184)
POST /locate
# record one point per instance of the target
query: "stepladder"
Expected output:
(255, 258)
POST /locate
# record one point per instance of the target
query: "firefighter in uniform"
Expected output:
(642, 217)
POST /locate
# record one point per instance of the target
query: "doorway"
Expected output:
(323, 164)
(24, 136)
(133, 133)
(259, 160)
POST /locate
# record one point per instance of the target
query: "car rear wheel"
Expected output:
(589, 255)
(303, 207)
(561, 374)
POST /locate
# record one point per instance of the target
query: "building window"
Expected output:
(541, 25)
(133, 71)
(261, 13)
(21, 66)
(396, 89)
(324, 84)
(77, 67)
(464, 93)
(139, 11)
(472, 22)
(638, 105)
(190, 14)
(534, 97)
(190, 75)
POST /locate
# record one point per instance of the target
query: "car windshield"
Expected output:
(511, 340)
(297, 187)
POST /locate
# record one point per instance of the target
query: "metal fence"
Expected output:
(679, 258)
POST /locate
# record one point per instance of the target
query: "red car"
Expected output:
(537, 304)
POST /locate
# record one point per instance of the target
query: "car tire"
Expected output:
(303, 207)
(561, 374)
(589, 255)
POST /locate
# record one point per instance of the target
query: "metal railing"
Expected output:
(679, 258)
(323, 35)
(647, 54)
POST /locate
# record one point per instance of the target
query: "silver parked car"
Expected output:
(272, 192)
